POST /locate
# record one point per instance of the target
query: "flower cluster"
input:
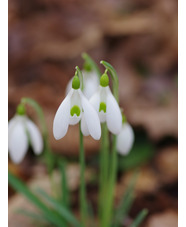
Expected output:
(92, 105)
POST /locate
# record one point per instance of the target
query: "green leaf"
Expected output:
(19, 186)
(126, 203)
(91, 218)
(64, 184)
(140, 217)
(32, 215)
(63, 211)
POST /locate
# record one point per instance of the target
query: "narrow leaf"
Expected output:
(19, 186)
(63, 211)
(32, 215)
(126, 203)
(64, 184)
(140, 217)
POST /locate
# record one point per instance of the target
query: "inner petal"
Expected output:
(73, 120)
(75, 115)
(102, 116)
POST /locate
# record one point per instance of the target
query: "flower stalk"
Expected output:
(108, 206)
(104, 167)
(49, 157)
(82, 191)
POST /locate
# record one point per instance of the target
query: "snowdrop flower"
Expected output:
(90, 81)
(125, 139)
(21, 131)
(76, 107)
(106, 106)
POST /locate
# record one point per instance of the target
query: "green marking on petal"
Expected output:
(76, 82)
(20, 109)
(102, 107)
(104, 80)
(75, 110)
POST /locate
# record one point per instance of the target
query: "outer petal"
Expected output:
(95, 100)
(12, 122)
(61, 120)
(91, 83)
(125, 139)
(68, 87)
(36, 139)
(17, 139)
(91, 118)
(113, 117)
(84, 127)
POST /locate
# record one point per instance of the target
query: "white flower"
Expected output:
(125, 139)
(76, 107)
(90, 81)
(106, 106)
(21, 130)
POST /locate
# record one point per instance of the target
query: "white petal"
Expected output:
(113, 116)
(91, 118)
(125, 139)
(95, 100)
(61, 120)
(36, 139)
(68, 87)
(75, 99)
(102, 116)
(73, 120)
(12, 122)
(84, 127)
(17, 140)
(91, 83)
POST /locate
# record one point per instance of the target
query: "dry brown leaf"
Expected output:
(167, 218)
(167, 164)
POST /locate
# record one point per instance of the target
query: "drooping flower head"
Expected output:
(90, 81)
(76, 107)
(21, 131)
(106, 106)
(125, 138)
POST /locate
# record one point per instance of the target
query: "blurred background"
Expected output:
(139, 38)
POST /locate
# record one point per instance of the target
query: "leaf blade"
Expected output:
(19, 186)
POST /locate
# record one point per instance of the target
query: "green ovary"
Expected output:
(75, 110)
(102, 107)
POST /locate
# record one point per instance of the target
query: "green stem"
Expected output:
(82, 192)
(80, 75)
(49, 158)
(108, 208)
(104, 165)
(114, 77)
